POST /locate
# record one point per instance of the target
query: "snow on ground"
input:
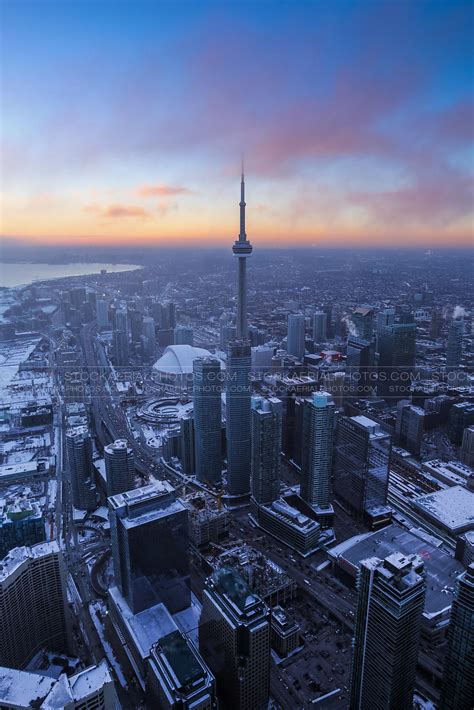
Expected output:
(94, 607)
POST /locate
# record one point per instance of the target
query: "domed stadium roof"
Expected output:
(178, 359)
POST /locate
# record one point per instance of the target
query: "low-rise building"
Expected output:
(291, 521)
(441, 570)
(89, 689)
(208, 519)
(285, 632)
(178, 678)
(451, 509)
(21, 524)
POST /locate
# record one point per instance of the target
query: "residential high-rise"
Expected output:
(361, 465)
(150, 547)
(458, 683)
(234, 640)
(296, 335)
(266, 448)
(207, 387)
(238, 385)
(319, 326)
(178, 678)
(119, 467)
(80, 470)
(454, 344)
(317, 453)
(33, 603)
(391, 595)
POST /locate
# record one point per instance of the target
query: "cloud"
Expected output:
(117, 211)
(316, 87)
(163, 190)
(435, 202)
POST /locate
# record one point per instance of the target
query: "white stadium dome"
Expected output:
(176, 364)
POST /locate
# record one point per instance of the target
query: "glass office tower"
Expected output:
(150, 547)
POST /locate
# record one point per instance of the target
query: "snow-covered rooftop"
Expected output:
(452, 508)
(18, 555)
(19, 688)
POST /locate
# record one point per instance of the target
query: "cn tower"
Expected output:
(238, 386)
(242, 249)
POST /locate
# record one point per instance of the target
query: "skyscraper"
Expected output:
(385, 318)
(121, 320)
(227, 333)
(296, 332)
(120, 347)
(436, 323)
(266, 448)
(33, 603)
(318, 443)
(148, 331)
(119, 467)
(79, 466)
(458, 682)
(359, 363)
(409, 426)
(396, 345)
(454, 344)
(207, 418)
(363, 320)
(102, 313)
(467, 450)
(187, 445)
(361, 465)
(234, 640)
(391, 595)
(120, 338)
(150, 547)
(238, 386)
(319, 326)
(184, 336)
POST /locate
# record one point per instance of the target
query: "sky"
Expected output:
(125, 122)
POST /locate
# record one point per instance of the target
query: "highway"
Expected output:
(106, 408)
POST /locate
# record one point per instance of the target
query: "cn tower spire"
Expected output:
(242, 235)
(242, 249)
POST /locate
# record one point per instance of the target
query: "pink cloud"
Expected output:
(433, 203)
(118, 211)
(163, 190)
